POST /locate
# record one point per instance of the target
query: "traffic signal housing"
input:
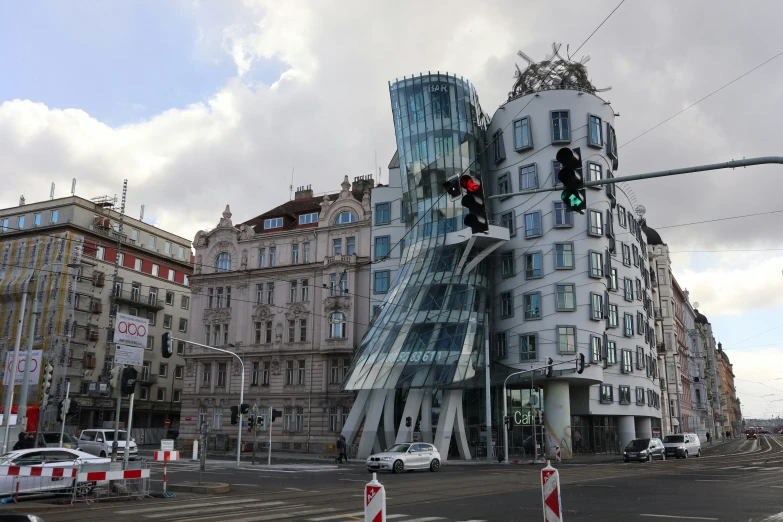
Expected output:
(408, 422)
(167, 346)
(128, 382)
(114, 381)
(46, 384)
(570, 175)
(580, 363)
(244, 408)
(507, 422)
(276, 414)
(251, 423)
(234, 414)
(474, 202)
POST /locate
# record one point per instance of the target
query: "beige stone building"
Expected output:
(288, 292)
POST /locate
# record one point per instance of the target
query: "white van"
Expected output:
(99, 442)
(682, 445)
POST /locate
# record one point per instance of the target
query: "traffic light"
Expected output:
(408, 422)
(276, 414)
(418, 426)
(250, 423)
(453, 188)
(167, 346)
(128, 381)
(115, 376)
(580, 363)
(60, 410)
(570, 176)
(507, 422)
(46, 384)
(64, 409)
(474, 202)
(244, 408)
(549, 367)
(234, 414)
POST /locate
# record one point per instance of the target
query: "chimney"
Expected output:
(361, 183)
(303, 192)
(720, 347)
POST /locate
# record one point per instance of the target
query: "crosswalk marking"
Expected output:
(221, 509)
(190, 506)
(279, 516)
(336, 517)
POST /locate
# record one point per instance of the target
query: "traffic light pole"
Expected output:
(65, 412)
(764, 160)
(241, 391)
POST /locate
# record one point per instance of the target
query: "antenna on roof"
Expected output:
(51, 192)
(376, 167)
(141, 217)
(291, 186)
(73, 187)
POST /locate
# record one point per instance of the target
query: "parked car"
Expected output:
(405, 457)
(48, 458)
(99, 442)
(750, 433)
(644, 450)
(51, 439)
(682, 446)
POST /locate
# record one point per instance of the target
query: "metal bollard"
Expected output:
(195, 449)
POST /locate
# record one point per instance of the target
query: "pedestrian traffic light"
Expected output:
(453, 188)
(44, 400)
(580, 363)
(549, 367)
(244, 408)
(115, 376)
(276, 414)
(474, 202)
(128, 382)
(408, 422)
(570, 176)
(234, 414)
(507, 422)
(250, 423)
(167, 346)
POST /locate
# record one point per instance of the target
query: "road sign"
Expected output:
(167, 445)
(35, 368)
(130, 355)
(550, 494)
(131, 330)
(167, 423)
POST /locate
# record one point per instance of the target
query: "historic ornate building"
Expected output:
(288, 292)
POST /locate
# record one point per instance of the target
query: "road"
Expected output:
(737, 481)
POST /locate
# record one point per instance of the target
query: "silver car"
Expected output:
(99, 442)
(405, 457)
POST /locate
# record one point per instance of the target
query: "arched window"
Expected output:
(223, 262)
(343, 218)
(337, 325)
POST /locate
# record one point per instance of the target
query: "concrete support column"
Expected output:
(626, 428)
(557, 418)
(643, 427)
(426, 417)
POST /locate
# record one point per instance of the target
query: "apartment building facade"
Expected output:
(153, 271)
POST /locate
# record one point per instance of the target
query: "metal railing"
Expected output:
(150, 301)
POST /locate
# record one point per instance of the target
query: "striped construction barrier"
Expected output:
(163, 456)
(37, 471)
(94, 476)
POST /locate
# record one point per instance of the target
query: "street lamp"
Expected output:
(22, 413)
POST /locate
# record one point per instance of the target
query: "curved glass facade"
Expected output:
(431, 327)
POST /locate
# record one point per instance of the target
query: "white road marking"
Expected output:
(354, 480)
(271, 505)
(678, 517)
(774, 518)
(425, 519)
(279, 516)
(197, 505)
(711, 480)
(295, 489)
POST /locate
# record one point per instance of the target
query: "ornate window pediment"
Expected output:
(262, 313)
(217, 315)
(297, 311)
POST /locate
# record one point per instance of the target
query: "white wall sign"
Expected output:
(130, 330)
(35, 368)
(167, 445)
(130, 355)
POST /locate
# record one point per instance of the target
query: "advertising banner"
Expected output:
(35, 368)
(130, 330)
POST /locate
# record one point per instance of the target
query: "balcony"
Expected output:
(147, 378)
(661, 347)
(658, 314)
(134, 297)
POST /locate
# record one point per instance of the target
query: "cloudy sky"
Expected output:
(202, 103)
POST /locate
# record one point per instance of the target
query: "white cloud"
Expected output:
(757, 374)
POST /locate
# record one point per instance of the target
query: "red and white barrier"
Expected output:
(36, 471)
(374, 501)
(93, 476)
(166, 456)
(550, 494)
(558, 458)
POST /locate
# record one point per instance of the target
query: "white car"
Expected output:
(99, 442)
(682, 445)
(405, 457)
(47, 458)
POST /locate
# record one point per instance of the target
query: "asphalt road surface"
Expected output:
(737, 481)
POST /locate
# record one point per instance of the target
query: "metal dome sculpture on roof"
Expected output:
(554, 72)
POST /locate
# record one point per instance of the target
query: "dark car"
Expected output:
(750, 433)
(644, 450)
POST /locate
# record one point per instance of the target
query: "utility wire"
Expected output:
(599, 26)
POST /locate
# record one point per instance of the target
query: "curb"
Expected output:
(206, 488)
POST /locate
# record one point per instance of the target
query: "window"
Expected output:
(337, 247)
(613, 280)
(261, 257)
(155, 270)
(255, 373)
(528, 177)
(628, 325)
(595, 349)
(100, 252)
(382, 213)
(163, 370)
(522, 135)
(337, 325)
(627, 363)
(344, 218)
(185, 302)
(20, 222)
(151, 318)
(291, 330)
(270, 293)
(640, 363)
(628, 289)
(382, 244)
(272, 256)
(638, 289)
(532, 303)
(528, 346)
(596, 307)
(506, 304)
(596, 264)
(500, 345)
(150, 342)
(594, 173)
(181, 252)
(305, 289)
(507, 220)
(302, 330)
(273, 223)
(607, 393)
(498, 148)
(177, 396)
(292, 291)
(179, 372)
(621, 216)
(533, 224)
(640, 396)
(611, 352)
(507, 263)
(611, 143)
(5, 225)
(170, 298)
(566, 339)
(288, 418)
(161, 394)
(207, 331)
(167, 319)
(55, 216)
(625, 395)
(306, 219)
(596, 223)
(339, 370)
(613, 316)
(504, 183)
(221, 374)
(635, 256)
(563, 218)
(206, 374)
(626, 255)
(533, 268)
(299, 420)
(37, 219)
(289, 373)
(294, 254)
(152, 241)
(564, 255)
(566, 297)
(561, 129)
(381, 282)
(595, 137)
(306, 252)
(350, 245)
(333, 419)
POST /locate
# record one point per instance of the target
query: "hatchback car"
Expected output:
(682, 446)
(405, 457)
(47, 458)
(99, 442)
(644, 450)
(51, 439)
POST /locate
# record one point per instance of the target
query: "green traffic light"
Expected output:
(574, 200)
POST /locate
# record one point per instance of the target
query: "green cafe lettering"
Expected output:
(525, 417)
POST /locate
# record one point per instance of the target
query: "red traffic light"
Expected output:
(469, 183)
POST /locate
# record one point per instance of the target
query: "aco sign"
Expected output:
(130, 330)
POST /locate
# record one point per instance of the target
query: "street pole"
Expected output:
(269, 449)
(10, 384)
(488, 400)
(505, 428)
(533, 421)
(117, 415)
(65, 412)
(128, 431)
(22, 413)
